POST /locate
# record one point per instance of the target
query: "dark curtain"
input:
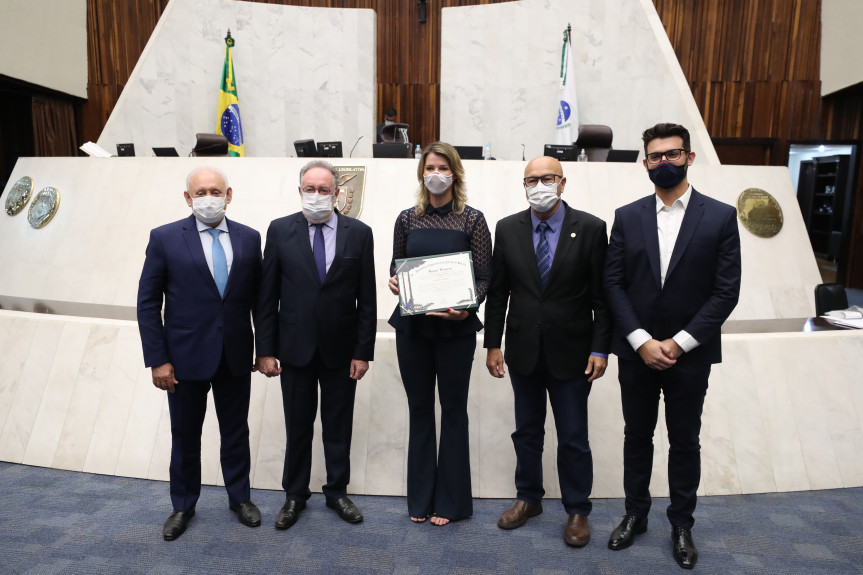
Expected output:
(54, 127)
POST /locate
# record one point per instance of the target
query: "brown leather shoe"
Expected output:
(518, 514)
(577, 532)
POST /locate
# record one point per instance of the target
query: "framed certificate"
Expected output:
(435, 283)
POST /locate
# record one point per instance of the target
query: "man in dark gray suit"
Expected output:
(547, 264)
(316, 316)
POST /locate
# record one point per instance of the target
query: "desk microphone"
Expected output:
(351, 155)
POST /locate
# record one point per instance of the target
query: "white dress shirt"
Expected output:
(207, 242)
(668, 221)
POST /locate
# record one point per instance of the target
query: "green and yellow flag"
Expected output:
(229, 105)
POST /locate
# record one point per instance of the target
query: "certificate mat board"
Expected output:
(436, 283)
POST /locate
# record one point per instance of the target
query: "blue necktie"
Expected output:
(220, 262)
(320, 251)
(543, 253)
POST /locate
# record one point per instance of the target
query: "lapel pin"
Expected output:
(572, 235)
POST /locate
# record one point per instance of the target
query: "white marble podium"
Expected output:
(783, 411)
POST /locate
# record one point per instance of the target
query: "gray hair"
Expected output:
(200, 169)
(320, 164)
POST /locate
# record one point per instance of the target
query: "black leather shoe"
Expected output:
(346, 509)
(683, 547)
(289, 513)
(623, 536)
(247, 512)
(176, 524)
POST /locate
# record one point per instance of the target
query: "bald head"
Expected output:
(543, 165)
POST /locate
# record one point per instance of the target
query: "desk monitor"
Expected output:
(469, 152)
(305, 148)
(166, 152)
(125, 149)
(391, 151)
(622, 156)
(563, 153)
(330, 150)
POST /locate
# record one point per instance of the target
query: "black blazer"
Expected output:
(569, 317)
(702, 283)
(297, 314)
(198, 323)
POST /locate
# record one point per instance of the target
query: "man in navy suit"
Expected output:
(317, 317)
(547, 266)
(207, 270)
(672, 277)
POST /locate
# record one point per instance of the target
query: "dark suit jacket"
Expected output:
(297, 314)
(199, 323)
(702, 283)
(569, 317)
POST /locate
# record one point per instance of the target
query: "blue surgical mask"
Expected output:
(667, 175)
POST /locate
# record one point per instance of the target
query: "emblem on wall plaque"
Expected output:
(759, 212)
(352, 185)
(44, 206)
(19, 195)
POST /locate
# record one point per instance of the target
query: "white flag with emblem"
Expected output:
(566, 131)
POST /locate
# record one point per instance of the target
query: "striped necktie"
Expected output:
(543, 253)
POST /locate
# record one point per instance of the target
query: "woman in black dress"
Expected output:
(439, 346)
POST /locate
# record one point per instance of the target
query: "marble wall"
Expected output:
(500, 69)
(93, 249)
(300, 73)
(783, 413)
(74, 393)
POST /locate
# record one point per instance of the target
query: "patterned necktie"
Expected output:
(543, 253)
(320, 251)
(220, 262)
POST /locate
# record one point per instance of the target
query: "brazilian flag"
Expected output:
(230, 125)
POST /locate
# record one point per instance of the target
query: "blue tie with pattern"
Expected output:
(543, 253)
(320, 251)
(220, 262)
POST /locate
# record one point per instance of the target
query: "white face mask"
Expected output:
(209, 209)
(317, 208)
(542, 197)
(437, 183)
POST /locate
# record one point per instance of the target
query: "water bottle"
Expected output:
(418, 153)
(486, 153)
(582, 156)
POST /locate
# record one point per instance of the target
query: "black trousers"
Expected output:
(300, 402)
(683, 387)
(574, 458)
(438, 480)
(187, 406)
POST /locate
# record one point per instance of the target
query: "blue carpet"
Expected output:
(63, 522)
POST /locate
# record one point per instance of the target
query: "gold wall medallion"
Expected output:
(19, 195)
(351, 190)
(759, 212)
(44, 206)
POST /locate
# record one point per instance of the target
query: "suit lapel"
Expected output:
(524, 237)
(192, 238)
(691, 219)
(651, 236)
(565, 241)
(304, 247)
(236, 237)
(343, 226)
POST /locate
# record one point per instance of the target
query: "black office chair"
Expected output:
(210, 145)
(395, 133)
(595, 140)
(830, 297)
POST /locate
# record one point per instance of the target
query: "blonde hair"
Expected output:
(459, 190)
